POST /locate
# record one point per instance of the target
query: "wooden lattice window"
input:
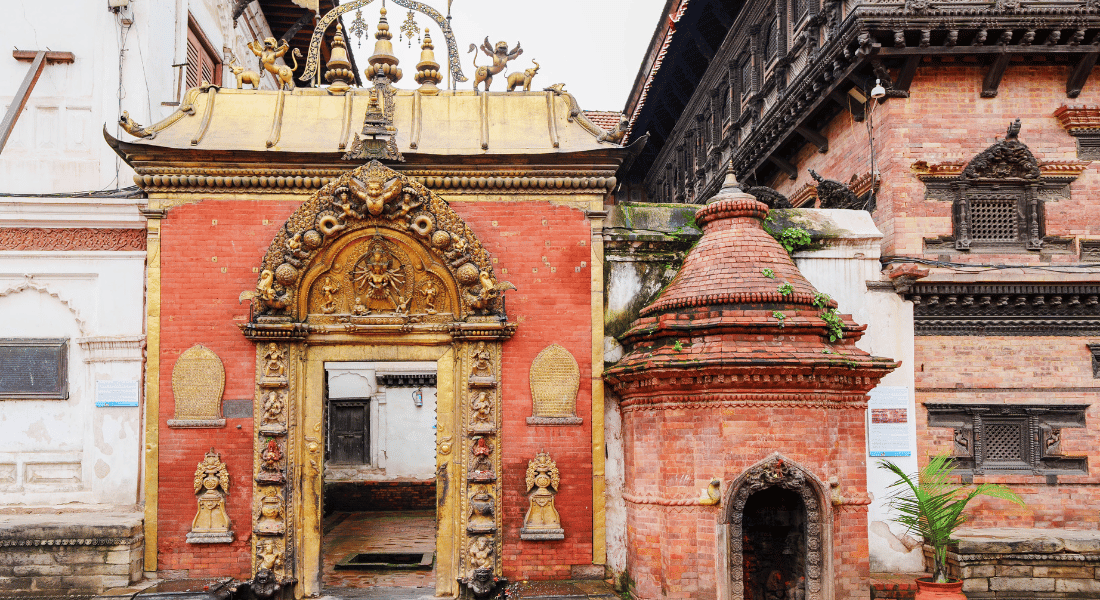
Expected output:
(1010, 439)
(771, 40)
(798, 10)
(746, 77)
(202, 59)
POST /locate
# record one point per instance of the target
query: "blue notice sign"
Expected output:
(116, 392)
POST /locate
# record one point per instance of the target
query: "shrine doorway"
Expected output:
(375, 270)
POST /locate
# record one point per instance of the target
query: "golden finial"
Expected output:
(427, 70)
(339, 72)
(383, 61)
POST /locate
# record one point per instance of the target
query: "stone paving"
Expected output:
(350, 533)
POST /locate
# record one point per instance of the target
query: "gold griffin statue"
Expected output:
(500, 55)
(268, 52)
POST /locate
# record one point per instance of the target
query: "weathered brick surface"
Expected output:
(209, 255)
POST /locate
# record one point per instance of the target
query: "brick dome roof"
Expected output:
(723, 315)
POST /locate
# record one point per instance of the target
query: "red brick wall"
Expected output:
(674, 453)
(199, 306)
(944, 119)
(542, 249)
(994, 370)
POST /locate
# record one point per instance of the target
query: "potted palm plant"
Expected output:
(931, 504)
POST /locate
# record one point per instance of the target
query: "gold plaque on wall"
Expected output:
(555, 379)
(198, 380)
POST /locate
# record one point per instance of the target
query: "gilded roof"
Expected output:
(313, 121)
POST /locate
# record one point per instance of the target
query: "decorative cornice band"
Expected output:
(71, 239)
(23, 543)
(182, 182)
(747, 400)
(1000, 309)
(1074, 119)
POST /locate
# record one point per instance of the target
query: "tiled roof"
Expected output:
(604, 119)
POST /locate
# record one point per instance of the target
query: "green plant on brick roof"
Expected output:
(779, 316)
(770, 274)
(677, 346)
(785, 289)
(931, 504)
(834, 324)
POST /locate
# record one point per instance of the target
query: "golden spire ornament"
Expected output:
(409, 27)
(358, 27)
(427, 70)
(383, 62)
(339, 73)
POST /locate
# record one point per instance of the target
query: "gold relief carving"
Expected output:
(481, 412)
(269, 555)
(270, 521)
(198, 380)
(380, 278)
(329, 291)
(405, 218)
(272, 421)
(482, 517)
(480, 554)
(444, 445)
(542, 521)
(314, 448)
(271, 459)
(555, 379)
(274, 370)
(211, 522)
(501, 57)
(481, 460)
(481, 369)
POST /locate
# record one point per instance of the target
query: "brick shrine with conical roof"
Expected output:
(734, 380)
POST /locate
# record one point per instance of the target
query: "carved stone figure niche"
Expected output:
(211, 522)
(542, 521)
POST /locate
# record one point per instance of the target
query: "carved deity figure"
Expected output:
(271, 515)
(482, 410)
(212, 487)
(379, 274)
(481, 464)
(359, 309)
(269, 555)
(482, 362)
(274, 405)
(270, 457)
(481, 553)
(429, 292)
(274, 366)
(375, 193)
(501, 57)
(264, 585)
(543, 480)
(329, 291)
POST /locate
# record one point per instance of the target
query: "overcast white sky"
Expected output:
(595, 47)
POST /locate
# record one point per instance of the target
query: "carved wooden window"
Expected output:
(771, 40)
(1010, 439)
(202, 59)
(349, 431)
(34, 369)
(1094, 349)
(997, 201)
(799, 8)
(746, 78)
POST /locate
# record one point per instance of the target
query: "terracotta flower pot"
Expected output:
(927, 590)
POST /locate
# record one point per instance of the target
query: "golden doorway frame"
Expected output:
(345, 280)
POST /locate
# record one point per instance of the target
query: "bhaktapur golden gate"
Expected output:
(297, 235)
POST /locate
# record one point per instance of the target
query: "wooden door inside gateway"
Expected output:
(372, 423)
(379, 476)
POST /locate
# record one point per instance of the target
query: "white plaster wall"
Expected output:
(402, 434)
(614, 484)
(847, 269)
(57, 145)
(69, 451)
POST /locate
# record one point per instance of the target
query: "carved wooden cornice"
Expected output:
(1005, 309)
(71, 239)
(951, 169)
